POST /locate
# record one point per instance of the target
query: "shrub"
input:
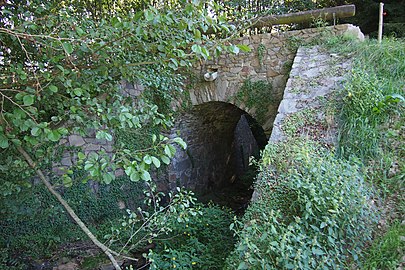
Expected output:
(313, 211)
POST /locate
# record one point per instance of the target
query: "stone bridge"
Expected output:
(269, 62)
(237, 99)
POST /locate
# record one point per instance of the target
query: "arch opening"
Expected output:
(221, 138)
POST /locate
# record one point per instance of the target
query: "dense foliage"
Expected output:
(313, 211)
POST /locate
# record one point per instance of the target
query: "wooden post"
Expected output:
(380, 23)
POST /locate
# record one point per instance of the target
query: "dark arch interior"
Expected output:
(221, 138)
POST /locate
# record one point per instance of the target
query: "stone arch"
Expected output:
(220, 138)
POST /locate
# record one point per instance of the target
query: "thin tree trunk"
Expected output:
(71, 212)
(298, 17)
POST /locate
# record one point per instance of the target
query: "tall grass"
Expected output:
(372, 128)
(373, 98)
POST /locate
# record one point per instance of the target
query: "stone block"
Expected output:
(66, 161)
(76, 140)
(272, 73)
(92, 147)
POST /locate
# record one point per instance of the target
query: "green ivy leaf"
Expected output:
(3, 141)
(53, 88)
(81, 155)
(78, 92)
(147, 159)
(149, 16)
(134, 177)
(35, 131)
(28, 100)
(54, 135)
(108, 178)
(233, 49)
(196, 48)
(67, 181)
(101, 134)
(180, 142)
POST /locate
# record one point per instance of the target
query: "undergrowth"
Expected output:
(313, 211)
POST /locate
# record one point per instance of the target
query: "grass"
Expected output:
(387, 251)
(371, 128)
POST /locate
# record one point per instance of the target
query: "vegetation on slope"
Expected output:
(317, 207)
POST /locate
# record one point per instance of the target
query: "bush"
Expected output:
(313, 212)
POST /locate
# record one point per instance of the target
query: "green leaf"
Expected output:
(197, 34)
(318, 252)
(147, 159)
(79, 31)
(243, 266)
(233, 49)
(149, 16)
(180, 142)
(205, 53)
(196, 48)
(78, 92)
(145, 176)
(167, 151)
(156, 162)
(134, 177)
(165, 159)
(101, 134)
(244, 48)
(67, 181)
(28, 100)
(35, 131)
(81, 156)
(3, 141)
(53, 88)
(67, 47)
(53, 135)
(108, 178)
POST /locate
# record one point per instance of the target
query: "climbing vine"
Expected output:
(261, 50)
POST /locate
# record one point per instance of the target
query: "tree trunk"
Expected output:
(305, 16)
(298, 17)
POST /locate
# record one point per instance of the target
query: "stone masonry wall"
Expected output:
(270, 60)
